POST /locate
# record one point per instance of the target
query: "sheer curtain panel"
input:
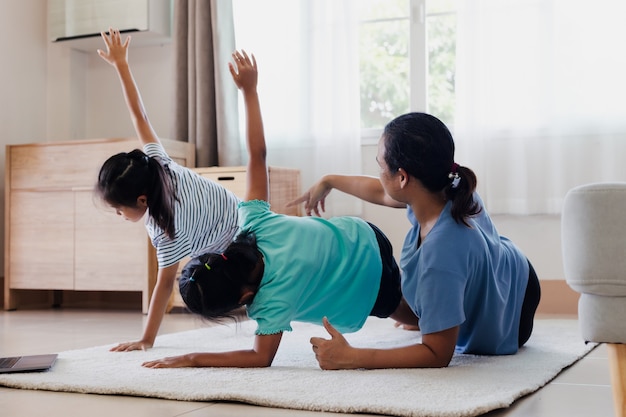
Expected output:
(540, 98)
(307, 53)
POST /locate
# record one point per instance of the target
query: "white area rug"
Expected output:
(470, 386)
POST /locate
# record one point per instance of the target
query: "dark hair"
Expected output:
(423, 146)
(127, 175)
(212, 284)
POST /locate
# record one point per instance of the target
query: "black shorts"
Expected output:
(390, 291)
(529, 306)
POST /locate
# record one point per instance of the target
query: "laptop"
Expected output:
(27, 363)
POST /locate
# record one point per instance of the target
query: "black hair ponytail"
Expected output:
(461, 192)
(212, 284)
(127, 175)
(423, 146)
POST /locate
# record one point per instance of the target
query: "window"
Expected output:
(544, 96)
(393, 37)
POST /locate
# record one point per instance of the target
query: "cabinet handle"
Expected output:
(225, 178)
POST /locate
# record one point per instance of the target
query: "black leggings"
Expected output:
(390, 291)
(529, 306)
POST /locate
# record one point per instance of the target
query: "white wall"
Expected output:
(51, 92)
(22, 78)
(107, 114)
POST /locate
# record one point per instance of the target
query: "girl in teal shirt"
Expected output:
(285, 268)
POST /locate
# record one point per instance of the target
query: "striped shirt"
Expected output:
(205, 214)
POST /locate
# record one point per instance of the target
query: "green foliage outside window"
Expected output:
(384, 60)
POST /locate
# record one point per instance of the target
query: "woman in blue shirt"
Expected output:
(472, 290)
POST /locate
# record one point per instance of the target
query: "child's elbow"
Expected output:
(263, 362)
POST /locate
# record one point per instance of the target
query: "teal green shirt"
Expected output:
(314, 268)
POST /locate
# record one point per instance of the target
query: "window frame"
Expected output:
(418, 67)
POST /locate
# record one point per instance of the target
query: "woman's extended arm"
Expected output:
(260, 356)
(435, 351)
(366, 188)
(117, 56)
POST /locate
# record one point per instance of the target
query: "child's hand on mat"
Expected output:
(128, 346)
(334, 353)
(182, 361)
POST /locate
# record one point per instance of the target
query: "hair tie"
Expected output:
(207, 266)
(454, 175)
(224, 257)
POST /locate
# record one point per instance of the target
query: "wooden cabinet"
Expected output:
(58, 236)
(284, 187)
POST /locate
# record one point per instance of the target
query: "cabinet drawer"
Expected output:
(231, 179)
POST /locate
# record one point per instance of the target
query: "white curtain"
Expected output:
(540, 98)
(307, 52)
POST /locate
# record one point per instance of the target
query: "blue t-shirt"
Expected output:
(466, 276)
(314, 268)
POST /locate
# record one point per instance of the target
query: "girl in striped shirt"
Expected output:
(187, 214)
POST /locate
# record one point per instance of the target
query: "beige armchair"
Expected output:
(593, 234)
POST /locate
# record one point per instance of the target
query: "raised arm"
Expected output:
(245, 75)
(366, 188)
(117, 55)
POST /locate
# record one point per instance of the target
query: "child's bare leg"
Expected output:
(405, 317)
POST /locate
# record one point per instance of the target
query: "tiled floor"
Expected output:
(582, 390)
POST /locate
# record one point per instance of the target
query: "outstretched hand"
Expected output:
(244, 71)
(314, 199)
(334, 353)
(117, 51)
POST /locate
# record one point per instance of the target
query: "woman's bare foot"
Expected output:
(407, 326)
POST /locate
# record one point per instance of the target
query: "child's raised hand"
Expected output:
(244, 70)
(117, 51)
